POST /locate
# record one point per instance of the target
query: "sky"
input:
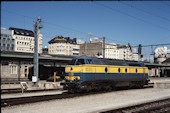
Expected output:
(122, 22)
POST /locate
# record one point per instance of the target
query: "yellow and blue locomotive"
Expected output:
(86, 73)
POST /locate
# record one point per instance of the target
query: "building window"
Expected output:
(13, 69)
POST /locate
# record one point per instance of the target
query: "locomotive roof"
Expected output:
(111, 61)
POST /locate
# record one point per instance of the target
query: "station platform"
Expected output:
(28, 86)
(45, 86)
(41, 85)
(52, 88)
(163, 82)
(26, 94)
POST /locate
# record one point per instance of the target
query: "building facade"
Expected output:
(125, 52)
(91, 49)
(63, 46)
(112, 51)
(7, 40)
(136, 57)
(19, 40)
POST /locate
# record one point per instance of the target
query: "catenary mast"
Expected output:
(37, 27)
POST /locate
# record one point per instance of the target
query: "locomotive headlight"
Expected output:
(78, 78)
(71, 77)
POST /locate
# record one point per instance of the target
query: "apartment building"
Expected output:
(19, 40)
(24, 40)
(7, 40)
(63, 46)
(111, 51)
(125, 52)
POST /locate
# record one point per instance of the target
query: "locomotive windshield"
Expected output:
(72, 62)
(77, 62)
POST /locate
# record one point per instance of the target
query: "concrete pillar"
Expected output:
(19, 70)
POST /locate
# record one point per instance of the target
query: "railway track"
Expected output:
(19, 90)
(159, 106)
(32, 99)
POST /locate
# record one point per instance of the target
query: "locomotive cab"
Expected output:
(74, 69)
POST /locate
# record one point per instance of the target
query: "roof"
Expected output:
(111, 61)
(23, 32)
(21, 55)
(61, 39)
(167, 60)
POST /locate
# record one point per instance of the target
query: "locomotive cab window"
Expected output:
(80, 62)
(77, 62)
(72, 62)
(89, 61)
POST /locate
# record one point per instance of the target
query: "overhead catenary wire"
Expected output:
(100, 49)
(165, 3)
(160, 9)
(52, 24)
(140, 9)
(153, 45)
(55, 25)
(47, 35)
(137, 18)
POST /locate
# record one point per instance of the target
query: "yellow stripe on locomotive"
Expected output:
(87, 68)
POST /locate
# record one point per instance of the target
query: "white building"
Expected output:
(19, 40)
(125, 52)
(24, 40)
(136, 57)
(63, 46)
(7, 41)
(111, 51)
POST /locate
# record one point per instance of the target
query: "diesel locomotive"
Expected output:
(86, 73)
